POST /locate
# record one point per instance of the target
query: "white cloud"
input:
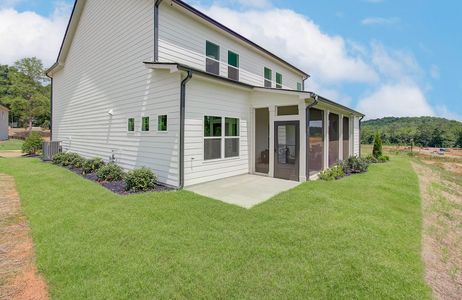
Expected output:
(443, 111)
(380, 21)
(397, 100)
(26, 34)
(299, 40)
(254, 3)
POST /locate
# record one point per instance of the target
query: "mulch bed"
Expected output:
(117, 187)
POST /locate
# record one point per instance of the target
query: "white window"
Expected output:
(216, 139)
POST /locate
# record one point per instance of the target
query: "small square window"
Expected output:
(231, 127)
(212, 149)
(278, 81)
(131, 124)
(162, 123)
(145, 124)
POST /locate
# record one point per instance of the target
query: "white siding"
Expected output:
(356, 137)
(182, 39)
(104, 71)
(206, 98)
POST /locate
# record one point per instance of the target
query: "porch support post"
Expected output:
(352, 118)
(326, 139)
(302, 154)
(272, 110)
(340, 137)
(251, 142)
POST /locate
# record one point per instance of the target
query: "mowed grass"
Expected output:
(359, 237)
(11, 144)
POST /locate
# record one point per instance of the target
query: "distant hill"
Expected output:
(422, 131)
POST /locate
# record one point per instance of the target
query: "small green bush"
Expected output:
(33, 143)
(92, 165)
(110, 172)
(377, 149)
(370, 159)
(384, 158)
(141, 179)
(354, 165)
(71, 159)
(58, 158)
(336, 172)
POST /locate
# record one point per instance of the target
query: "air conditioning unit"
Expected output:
(50, 149)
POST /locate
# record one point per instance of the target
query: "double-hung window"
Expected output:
(212, 137)
(233, 66)
(212, 61)
(221, 133)
(299, 86)
(278, 80)
(162, 123)
(268, 77)
(231, 137)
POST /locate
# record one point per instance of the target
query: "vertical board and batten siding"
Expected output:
(182, 39)
(207, 98)
(104, 72)
(356, 137)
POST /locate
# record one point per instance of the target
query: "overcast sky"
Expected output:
(382, 57)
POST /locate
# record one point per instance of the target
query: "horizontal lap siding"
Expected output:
(104, 71)
(356, 137)
(204, 98)
(182, 39)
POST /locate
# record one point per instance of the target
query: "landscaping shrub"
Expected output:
(71, 159)
(354, 165)
(377, 150)
(58, 158)
(141, 179)
(336, 172)
(384, 158)
(110, 172)
(92, 165)
(33, 143)
(370, 159)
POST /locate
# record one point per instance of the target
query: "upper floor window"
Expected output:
(212, 51)
(299, 86)
(278, 81)
(268, 77)
(162, 123)
(233, 65)
(131, 124)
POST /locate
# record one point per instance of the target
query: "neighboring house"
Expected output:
(160, 84)
(3, 123)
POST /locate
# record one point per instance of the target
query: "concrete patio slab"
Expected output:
(243, 190)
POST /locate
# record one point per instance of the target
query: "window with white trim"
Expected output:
(221, 133)
(212, 61)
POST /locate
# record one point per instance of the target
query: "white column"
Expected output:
(272, 110)
(326, 139)
(340, 137)
(302, 153)
(351, 135)
(251, 139)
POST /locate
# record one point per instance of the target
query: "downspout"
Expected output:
(182, 126)
(156, 30)
(359, 142)
(308, 133)
(51, 108)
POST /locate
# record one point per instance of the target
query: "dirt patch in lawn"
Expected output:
(442, 232)
(452, 167)
(19, 278)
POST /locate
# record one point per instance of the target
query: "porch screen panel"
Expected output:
(315, 141)
(262, 140)
(346, 137)
(333, 139)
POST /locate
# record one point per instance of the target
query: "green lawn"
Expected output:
(354, 238)
(11, 145)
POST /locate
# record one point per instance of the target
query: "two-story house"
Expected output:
(159, 84)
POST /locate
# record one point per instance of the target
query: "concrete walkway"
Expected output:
(244, 190)
(10, 153)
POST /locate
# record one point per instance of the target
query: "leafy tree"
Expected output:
(458, 142)
(437, 138)
(33, 68)
(377, 149)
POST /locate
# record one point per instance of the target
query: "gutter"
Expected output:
(182, 126)
(156, 30)
(360, 121)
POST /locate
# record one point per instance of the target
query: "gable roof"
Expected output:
(77, 12)
(3, 108)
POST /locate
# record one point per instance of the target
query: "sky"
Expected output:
(381, 57)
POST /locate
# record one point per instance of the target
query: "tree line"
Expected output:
(26, 91)
(418, 131)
